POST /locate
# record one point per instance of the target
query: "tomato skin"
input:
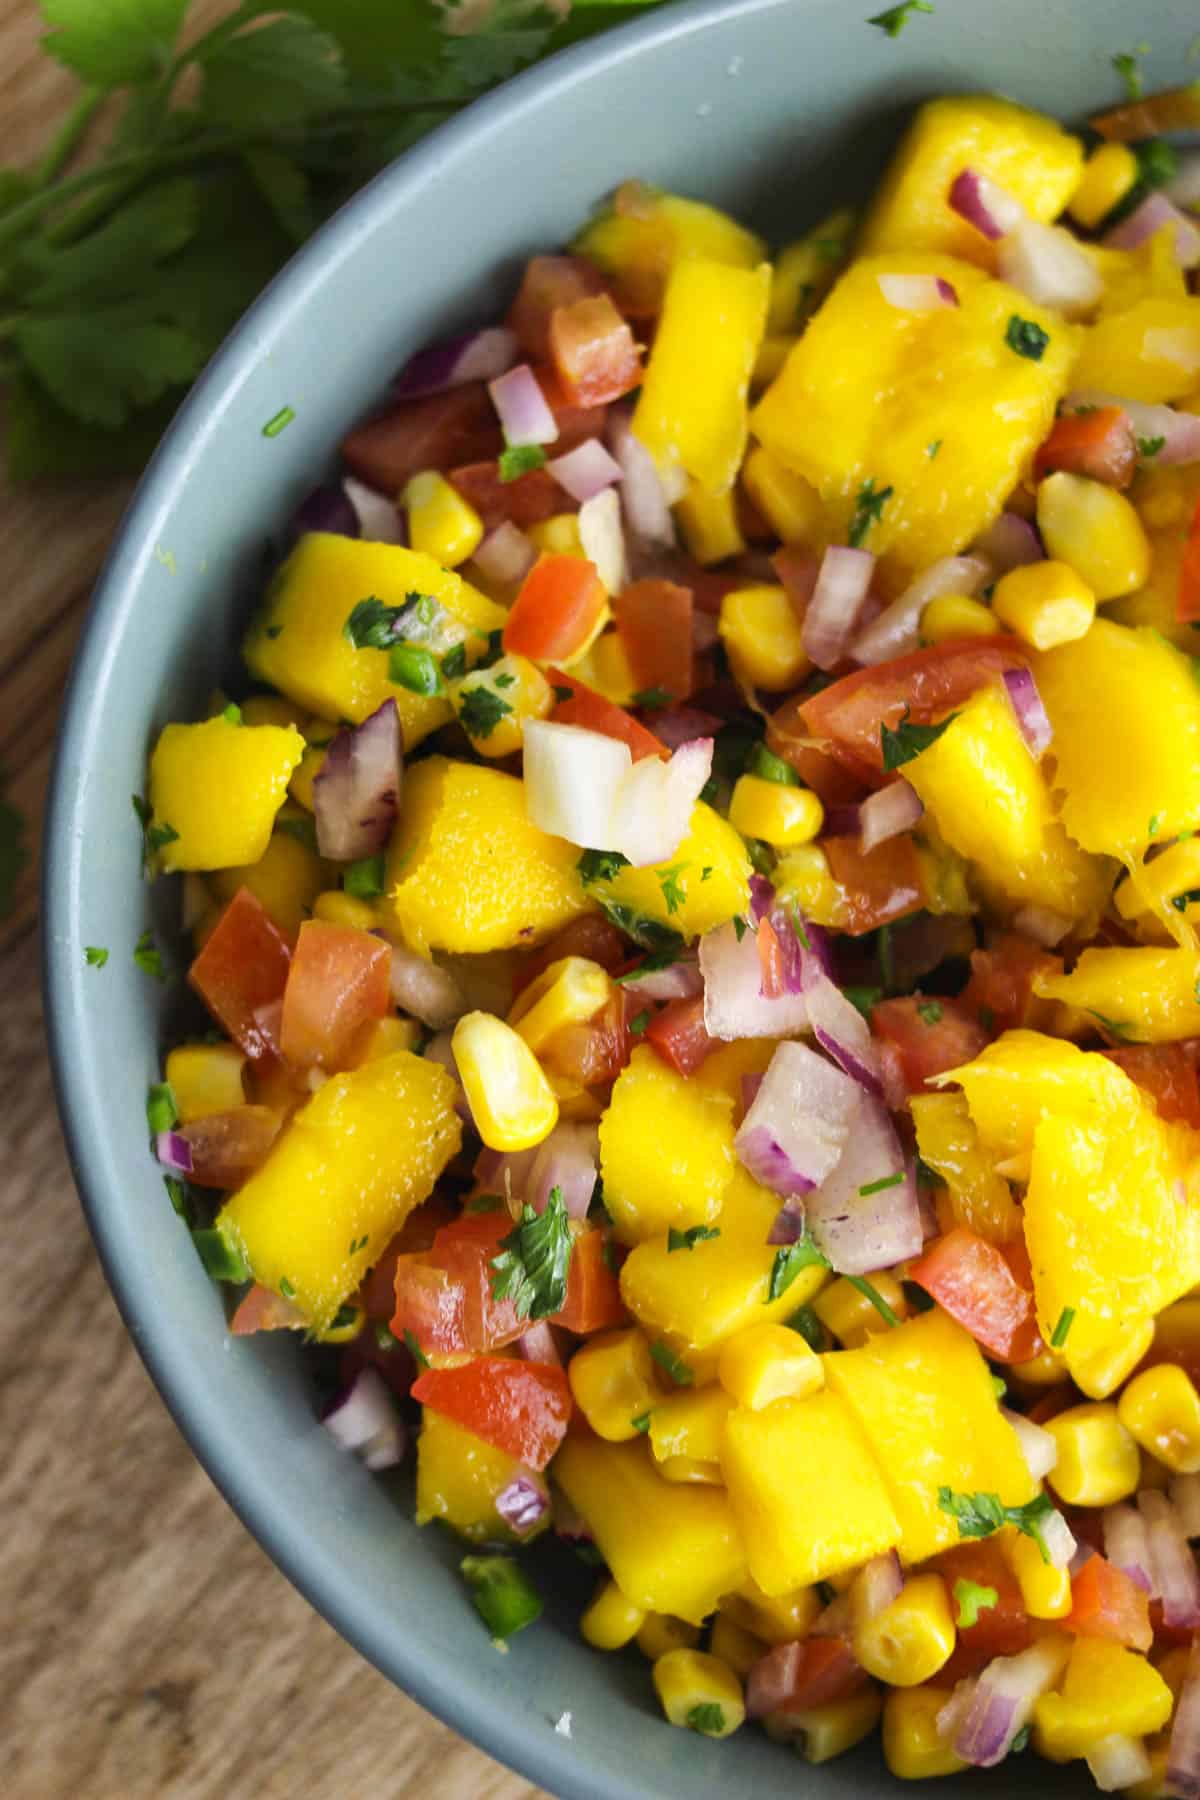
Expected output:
(1097, 444)
(592, 1053)
(885, 884)
(575, 421)
(678, 1034)
(464, 1252)
(243, 969)
(795, 1677)
(557, 609)
(262, 1309)
(590, 935)
(972, 1281)
(593, 351)
(654, 622)
(430, 1305)
(1001, 986)
(529, 500)
(227, 1147)
(340, 979)
(1167, 1073)
(549, 282)
(378, 1293)
(926, 1046)
(1000, 1630)
(521, 1407)
(1188, 606)
(1107, 1603)
(594, 713)
(593, 1301)
(434, 433)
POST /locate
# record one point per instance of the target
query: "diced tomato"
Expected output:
(575, 421)
(593, 1301)
(429, 1305)
(558, 608)
(339, 981)
(971, 1280)
(594, 713)
(678, 1034)
(1167, 1073)
(521, 1407)
(593, 351)
(1000, 992)
(1099, 444)
(797, 1676)
(528, 500)
(929, 1035)
(654, 619)
(1000, 1630)
(438, 432)
(592, 1053)
(378, 1296)
(549, 282)
(770, 957)
(464, 1251)
(1187, 610)
(832, 784)
(227, 1147)
(882, 885)
(264, 1310)
(846, 716)
(1107, 1603)
(591, 935)
(241, 971)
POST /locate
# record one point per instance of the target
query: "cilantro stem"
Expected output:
(67, 138)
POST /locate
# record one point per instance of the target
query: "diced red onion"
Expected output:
(774, 1678)
(1059, 1540)
(859, 1232)
(566, 1160)
(1185, 1493)
(521, 408)
(677, 725)
(837, 1620)
(897, 629)
(842, 586)
(1179, 431)
(680, 980)
(917, 293)
(326, 508)
(1050, 267)
(586, 470)
(603, 539)
(523, 1504)
(439, 1050)
(796, 1130)
(428, 992)
(1155, 211)
(762, 898)
(652, 813)
(876, 1585)
(173, 1152)
(790, 1221)
(379, 522)
(1009, 544)
(362, 1419)
(643, 496)
(1172, 1565)
(734, 1003)
(983, 203)
(888, 812)
(539, 1344)
(356, 793)
(506, 555)
(503, 1172)
(478, 356)
(984, 1716)
(1183, 1751)
(1118, 1761)
(840, 1028)
(1127, 1545)
(1042, 925)
(572, 778)
(1039, 1447)
(1032, 716)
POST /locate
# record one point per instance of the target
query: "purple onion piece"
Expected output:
(861, 1232)
(789, 1223)
(796, 1130)
(356, 794)
(362, 1419)
(1172, 1565)
(762, 898)
(523, 1504)
(477, 356)
(1032, 716)
(734, 1004)
(326, 508)
(173, 1152)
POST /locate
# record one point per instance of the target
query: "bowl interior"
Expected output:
(777, 109)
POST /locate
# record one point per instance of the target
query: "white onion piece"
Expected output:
(566, 1160)
(888, 812)
(1179, 431)
(1184, 186)
(506, 555)
(876, 1585)
(1155, 211)
(1118, 1762)
(1009, 544)
(1032, 716)
(1059, 1540)
(985, 1715)
(586, 470)
(521, 408)
(643, 496)
(523, 1504)
(796, 1130)
(897, 628)
(1172, 1565)
(862, 1232)
(1183, 1752)
(478, 356)
(983, 203)
(1039, 1447)
(676, 725)
(428, 992)
(1185, 1493)
(734, 1003)
(842, 585)
(378, 520)
(917, 293)
(362, 1419)
(1045, 927)
(572, 779)
(652, 813)
(439, 1049)
(1050, 267)
(680, 980)
(1127, 1545)
(356, 792)
(840, 1028)
(602, 538)
(539, 1344)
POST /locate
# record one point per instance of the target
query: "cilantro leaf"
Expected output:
(534, 1259)
(868, 509)
(863, 999)
(695, 1234)
(906, 741)
(103, 364)
(1148, 447)
(979, 1515)
(930, 1012)
(148, 957)
(972, 1599)
(95, 955)
(651, 934)
(600, 865)
(1126, 65)
(652, 698)
(373, 625)
(480, 710)
(415, 1350)
(1026, 337)
(674, 1365)
(1062, 1329)
(639, 1023)
(790, 1260)
(870, 1292)
(1116, 1028)
(281, 73)
(896, 18)
(121, 42)
(672, 892)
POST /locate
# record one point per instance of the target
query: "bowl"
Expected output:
(774, 108)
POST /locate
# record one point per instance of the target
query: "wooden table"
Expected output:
(150, 1650)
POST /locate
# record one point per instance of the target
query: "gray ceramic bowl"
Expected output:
(771, 107)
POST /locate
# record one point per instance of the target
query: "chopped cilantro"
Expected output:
(282, 419)
(930, 1012)
(177, 1194)
(932, 449)
(535, 1257)
(1148, 447)
(454, 663)
(301, 827)
(1152, 827)
(864, 998)
(695, 1234)
(790, 1259)
(95, 956)
(649, 965)
(884, 1182)
(1157, 162)
(979, 1515)
(161, 1110)
(561, 693)
(896, 18)
(868, 509)
(810, 1328)
(1062, 1330)
(286, 1288)
(885, 950)
(674, 1365)
(415, 1350)
(232, 714)
(600, 865)
(1026, 337)
(1021, 1741)
(740, 927)
(705, 873)
(769, 767)
(870, 1292)
(927, 1176)
(480, 710)
(504, 681)
(520, 459)
(346, 1315)
(972, 1599)
(373, 625)
(651, 934)
(484, 1203)
(652, 699)
(707, 1718)
(1181, 902)
(642, 1423)
(148, 957)
(672, 892)
(222, 1260)
(1125, 62)
(762, 857)
(417, 670)
(639, 1022)
(366, 879)
(907, 741)
(1117, 1028)
(999, 1386)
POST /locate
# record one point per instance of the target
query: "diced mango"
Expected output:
(1150, 352)
(690, 1424)
(666, 1152)
(218, 786)
(804, 271)
(1025, 1076)
(286, 878)
(711, 880)
(612, 1382)
(709, 524)
(763, 637)
(460, 1478)
(766, 1363)
(205, 1079)
(948, 1141)
(790, 504)
(1106, 1689)
(1144, 994)
(639, 245)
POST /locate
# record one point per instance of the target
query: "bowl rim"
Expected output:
(430, 1680)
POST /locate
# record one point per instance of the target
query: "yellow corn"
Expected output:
(781, 816)
(1160, 1408)
(384, 1037)
(514, 683)
(850, 1316)
(612, 1380)
(788, 502)
(569, 992)
(338, 908)
(512, 1103)
(700, 1692)
(440, 522)
(1097, 1459)
(1046, 1369)
(824, 1732)
(661, 1633)
(687, 1469)
(1101, 1373)
(912, 1637)
(1045, 603)
(1108, 174)
(804, 876)
(731, 1643)
(954, 616)
(773, 352)
(709, 523)
(1045, 1590)
(913, 1748)
(766, 1363)
(611, 1620)
(205, 1079)
(271, 709)
(557, 535)
(688, 1426)
(1096, 530)
(606, 668)
(1176, 871)
(300, 787)
(775, 1618)
(762, 638)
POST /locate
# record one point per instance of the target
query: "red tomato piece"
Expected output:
(1107, 1603)
(528, 500)
(340, 980)
(264, 1310)
(929, 1035)
(378, 1295)
(878, 887)
(971, 1280)
(594, 1052)
(227, 1147)
(465, 1251)
(521, 1407)
(593, 1301)
(1188, 607)
(797, 1676)
(549, 282)
(654, 620)
(1000, 1630)
(429, 1305)
(557, 610)
(678, 1034)
(594, 713)
(1098, 444)
(574, 420)
(435, 433)
(593, 351)
(832, 784)
(1167, 1073)
(241, 971)
(591, 936)
(1000, 992)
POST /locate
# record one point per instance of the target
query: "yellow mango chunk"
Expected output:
(299, 645)
(700, 901)
(467, 871)
(671, 1547)
(1149, 352)
(691, 412)
(218, 787)
(1025, 1077)
(666, 1151)
(346, 1171)
(923, 1398)
(1106, 1689)
(1142, 995)
(638, 247)
(287, 878)
(205, 1079)
(804, 1487)
(990, 802)
(690, 1424)
(460, 1478)
(870, 387)
(1032, 157)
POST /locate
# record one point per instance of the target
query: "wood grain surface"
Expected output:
(149, 1649)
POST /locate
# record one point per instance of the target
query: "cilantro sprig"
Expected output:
(906, 741)
(534, 1260)
(979, 1515)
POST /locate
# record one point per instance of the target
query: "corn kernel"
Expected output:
(1045, 1590)
(1108, 174)
(912, 1637)
(822, 1732)
(913, 1748)
(569, 992)
(773, 352)
(731, 1643)
(776, 1618)
(271, 709)
(690, 1425)
(557, 535)
(611, 1620)
(1045, 603)
(1046, 1369)
(660, 1634)
(606, 668)
(1101, 1372)
(338, 908)
(205, 1079)
(850, 1316)
(300, 787)
(1176, 871)
(512, 1103)
(762, 638)
(688, 1469)
(440, 522)
(1097, 1459)
(1161, 1409)
(804, 877)
(766, 1363)
(612, 1381)
(699, 1691)
(1096, 530)
(788, 502)
(781, 816)
(954, 616)
(709, 523)
(513, 683)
